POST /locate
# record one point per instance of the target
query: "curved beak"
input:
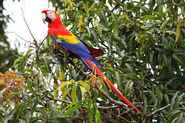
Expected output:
(43, 17)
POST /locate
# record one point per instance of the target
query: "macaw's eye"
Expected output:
(51, 15)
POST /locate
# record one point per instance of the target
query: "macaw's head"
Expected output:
(51, 17)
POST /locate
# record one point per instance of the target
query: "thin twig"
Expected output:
(154, 112)
(42, 41)
(160, 109)
(113, 101)
(119, 116)
(28, 26)
(35, 41)
(108, 118)
(76, 66)
(18, 36)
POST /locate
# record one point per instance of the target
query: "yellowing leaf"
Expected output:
(84, 7)
(98, 13)
(64, 84)
(114, 3)
(91, 9)
(61, 76)
(73, 94)
(86, 86)
(127, 17)
(80, 22)
(65, 93)
(139, 38)
(73, 3)
(56, 92)
(165, 11)
(81, 29)
(83, 91)
(178, 32)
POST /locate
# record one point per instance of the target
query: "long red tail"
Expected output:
(96, 70)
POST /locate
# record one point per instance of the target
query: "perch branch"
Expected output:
(42, 42)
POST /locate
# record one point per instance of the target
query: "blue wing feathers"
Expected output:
(79, 49)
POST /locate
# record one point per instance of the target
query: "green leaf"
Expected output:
(65, 93)
(61, 120)
(165, 23)
(115, 25)
(97, 116)
(176, 58)
(159, 93)
(22, 121)
(173, 100)
(41, 102)
(89, 31)
(166, 98)
(91, 112)
(118, 77)
(132, 76)
(70, 111)
(172, 114)
(13, 93)
(178, 99)
(181, 118)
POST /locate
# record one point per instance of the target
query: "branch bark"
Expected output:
(158, 110)
(108, 107)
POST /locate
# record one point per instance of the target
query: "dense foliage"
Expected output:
(144, 55)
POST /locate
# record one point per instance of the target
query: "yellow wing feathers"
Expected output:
(69, 38)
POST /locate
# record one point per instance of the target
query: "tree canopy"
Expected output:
(144, 56)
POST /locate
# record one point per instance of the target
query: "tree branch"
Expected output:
(34, 40)
(108, 107)
(42, 41)
(112, 100)
(160, 109)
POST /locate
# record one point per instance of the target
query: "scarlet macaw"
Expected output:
(71, 43)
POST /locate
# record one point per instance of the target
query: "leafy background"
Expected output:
(144, 55)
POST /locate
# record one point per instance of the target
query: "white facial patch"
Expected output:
(51, 15)
(43, 17)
